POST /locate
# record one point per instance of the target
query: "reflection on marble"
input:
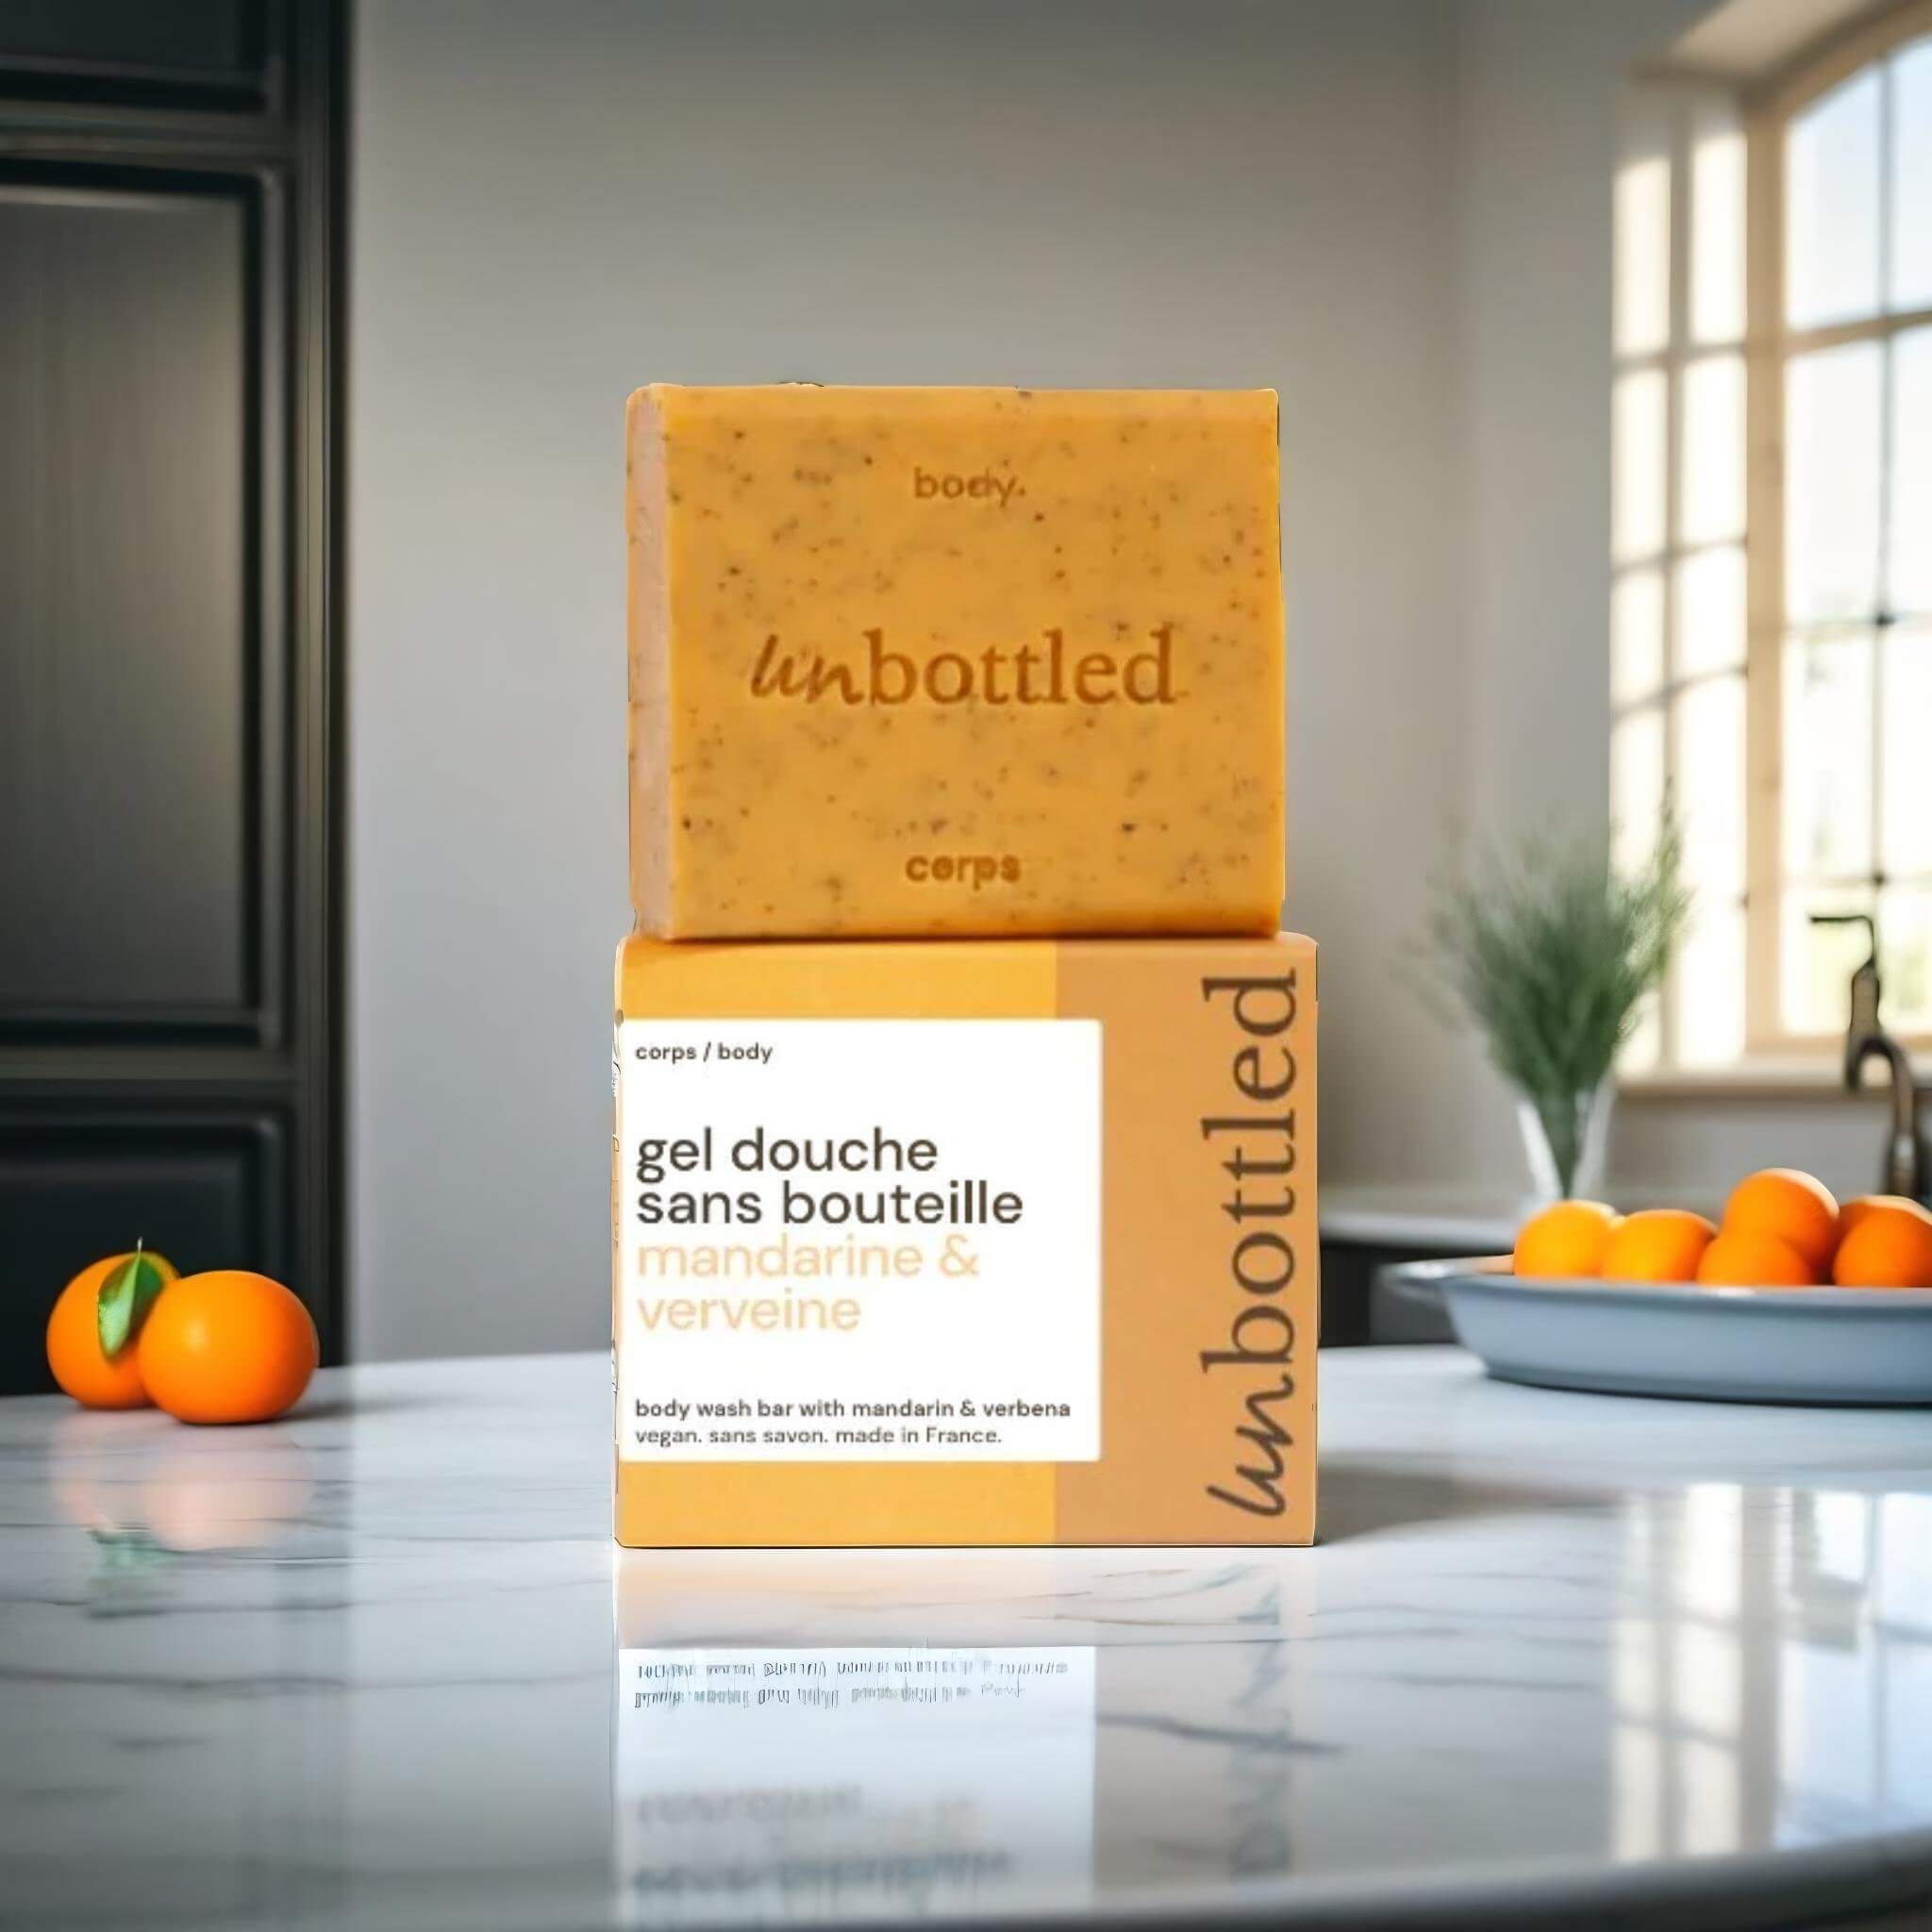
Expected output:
(856, 1783)
(379, 1665)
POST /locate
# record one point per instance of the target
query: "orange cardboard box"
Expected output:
(965, 1242)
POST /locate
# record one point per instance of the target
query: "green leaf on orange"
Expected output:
(126, 1297)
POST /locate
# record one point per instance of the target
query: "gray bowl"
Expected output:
(1841, 1345)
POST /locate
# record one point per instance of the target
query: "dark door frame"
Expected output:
(274, 129)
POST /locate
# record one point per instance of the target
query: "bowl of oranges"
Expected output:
(1789, 1296)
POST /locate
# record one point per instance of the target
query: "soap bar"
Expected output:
(921, 661)
(1006, 1241)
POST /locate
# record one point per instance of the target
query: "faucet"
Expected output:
(1906, 1170)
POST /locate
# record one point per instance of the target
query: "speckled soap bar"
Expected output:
(954, 660)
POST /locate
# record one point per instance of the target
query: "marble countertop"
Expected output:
(379, 1666)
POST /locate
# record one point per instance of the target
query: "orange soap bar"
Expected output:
(965, 1242)
(919, 661)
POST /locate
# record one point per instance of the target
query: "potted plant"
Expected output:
(1551, 955)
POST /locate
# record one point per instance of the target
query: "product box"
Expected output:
(927, 661)
(965, 1242)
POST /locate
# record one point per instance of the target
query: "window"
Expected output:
(1771, 624)
(1678, 681)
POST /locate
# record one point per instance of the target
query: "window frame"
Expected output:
(1675, 110)
(1770, 345)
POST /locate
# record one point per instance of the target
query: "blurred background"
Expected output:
(1604, 340)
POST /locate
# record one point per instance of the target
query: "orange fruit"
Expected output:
(1740, 1258)
(1567, 1239)
(1794, 1207)
(227, 1347)
(1859, 1205)
(1658, 1244)
(73, 1342)
(1890, 1246)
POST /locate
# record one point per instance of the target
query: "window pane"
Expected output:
(1643, 307)
(1911, 176)
(1710, 468)
(1637, 785)
(1906, 826)
(1710, 611)
(1637, 637)
(1831, 205)
(1717, 224)
(1707, 986)
(1817, 961)
(1905, 958)
(1644, 1049)
(1637, 428)
(1911, 465)
(1709, 772)
(1831, 482)
(1828, 762)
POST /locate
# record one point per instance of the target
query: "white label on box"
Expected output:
(776, 1786)
(859, 1240)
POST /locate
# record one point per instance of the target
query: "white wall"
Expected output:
(555, 202)
(1396, 211)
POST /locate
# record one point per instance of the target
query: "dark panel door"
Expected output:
(154, 50)
(129, 494)
(168, 401)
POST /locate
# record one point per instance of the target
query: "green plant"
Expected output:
(1551, 955)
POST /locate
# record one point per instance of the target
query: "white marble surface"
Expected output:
(379, 1666)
